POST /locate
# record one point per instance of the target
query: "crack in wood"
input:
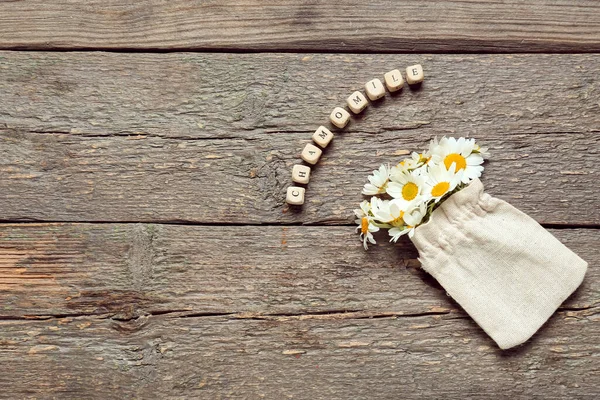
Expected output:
(362, 130)
(323, 223)
(321, 315)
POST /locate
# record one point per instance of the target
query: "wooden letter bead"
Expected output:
(393, 80)
(295, 195)
(339, 117)
(375, 89)
(301, 174)
(414, 74)
(322, 136)
(357, 102)
(311, 154)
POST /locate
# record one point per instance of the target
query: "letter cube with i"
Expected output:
(357, 102)
(414, 74)
(295, 195)
(322, 136)
(311, 154)
(301, 174)
(339, 117)
(393, 80)
(374, 89)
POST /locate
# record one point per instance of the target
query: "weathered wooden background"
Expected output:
(145, 149)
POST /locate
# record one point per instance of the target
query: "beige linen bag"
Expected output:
(507, 272)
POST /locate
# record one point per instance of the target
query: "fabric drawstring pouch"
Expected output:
(506, 271)
(503, 268)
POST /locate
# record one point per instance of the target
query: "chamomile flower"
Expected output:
(441, 181)
(378, 181)
(433, 144)
(406, 186)
(483, 151)
(364, 210)
(390, 213)
(408, 164)
(378, 205)
(459, 152)
(366, 223)
(412, 218)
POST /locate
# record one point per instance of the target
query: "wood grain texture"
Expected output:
(216, 308)
(376, 26)
(211, 138)
(130, 270)
(169, 357)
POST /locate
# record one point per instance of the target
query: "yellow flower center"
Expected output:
(440, 189)
(410, 191)
(364, 225)
(399, 220)
(461, 162)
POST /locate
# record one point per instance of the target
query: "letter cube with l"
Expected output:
(393, 80)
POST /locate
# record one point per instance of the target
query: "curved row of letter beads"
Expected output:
(339, 117)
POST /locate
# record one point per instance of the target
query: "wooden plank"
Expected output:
(191, 96)
(161, 137)
(302, 358)
(129, 270)
(54, 177)
(376, 26)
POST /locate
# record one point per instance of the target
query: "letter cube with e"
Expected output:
(339, 117)
(301, 174)
(295, 195)
(375, 89)
(322, 136)
(414, 74)
(393, 80)
(357, 102)
(311, 154)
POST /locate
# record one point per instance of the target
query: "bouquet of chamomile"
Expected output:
(405, 195)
